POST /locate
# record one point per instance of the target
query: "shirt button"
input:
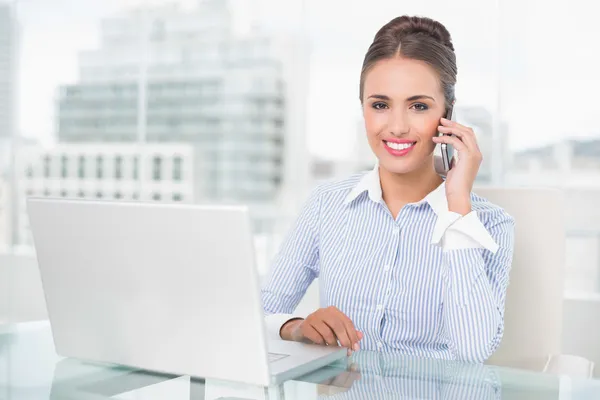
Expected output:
(379, 307)
(379, 345)
(387, 268)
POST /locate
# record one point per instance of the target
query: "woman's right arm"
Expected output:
(295, 266)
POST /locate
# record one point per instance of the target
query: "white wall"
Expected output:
(22, 297)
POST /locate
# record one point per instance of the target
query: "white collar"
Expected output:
(372, 185)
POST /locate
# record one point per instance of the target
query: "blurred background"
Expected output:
(256, 102)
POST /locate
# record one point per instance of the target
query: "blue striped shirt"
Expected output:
(428, 283)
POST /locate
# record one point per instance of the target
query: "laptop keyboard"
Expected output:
(276, 357)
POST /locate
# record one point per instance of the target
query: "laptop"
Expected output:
(169, 288)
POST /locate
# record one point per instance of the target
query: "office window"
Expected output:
(156, 168)
(47, 192)
(135, 196)
(156, 197)
(29, 192)
(177, 197)
(177, 168)
(99, 167)
(81, 194)
(63, 193)
(64, 166)
(29, 171)
(81, 167)
(136, 167)
(118, 195)
(99, 195)
(118, 167)
(47, 166)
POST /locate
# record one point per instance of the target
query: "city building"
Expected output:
(162, 74)
(123, 172)
(570, 163)
(154, 172)
(8, 60)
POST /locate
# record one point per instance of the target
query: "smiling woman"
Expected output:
(408, 262)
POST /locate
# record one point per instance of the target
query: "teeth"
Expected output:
(399, 146)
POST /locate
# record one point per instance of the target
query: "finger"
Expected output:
(313, 335)
(453, 124)
(334, 321)
(326, 332)
(454, 141)
(352, 332)
(465, 136)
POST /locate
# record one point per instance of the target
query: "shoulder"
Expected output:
(490, 214)
(337, 190)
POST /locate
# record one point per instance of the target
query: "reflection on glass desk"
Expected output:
(30, 369)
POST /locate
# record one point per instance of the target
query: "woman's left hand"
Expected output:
(460, 178)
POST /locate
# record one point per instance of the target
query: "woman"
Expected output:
(408, 262)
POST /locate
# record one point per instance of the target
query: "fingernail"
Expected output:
(356, 347)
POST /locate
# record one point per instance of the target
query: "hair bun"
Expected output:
(405, 25)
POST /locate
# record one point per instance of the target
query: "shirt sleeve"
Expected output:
(454, 232)
(477, 261)
(294, 268)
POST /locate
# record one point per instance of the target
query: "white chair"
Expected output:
(534, 300)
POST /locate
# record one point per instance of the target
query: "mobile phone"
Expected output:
(444, 154)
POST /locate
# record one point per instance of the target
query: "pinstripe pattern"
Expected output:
(404, 293)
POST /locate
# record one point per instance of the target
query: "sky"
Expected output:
(542, 56)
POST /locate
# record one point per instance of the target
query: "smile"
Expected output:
(398, 149)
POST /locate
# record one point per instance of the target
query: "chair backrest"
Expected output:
(534, 300)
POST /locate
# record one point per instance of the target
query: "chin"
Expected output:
(402, 166)
(397, 167)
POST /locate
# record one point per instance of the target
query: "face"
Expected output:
(402, 106)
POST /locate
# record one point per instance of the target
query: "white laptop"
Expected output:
(161, 287)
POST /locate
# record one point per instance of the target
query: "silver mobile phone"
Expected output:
(444, 155)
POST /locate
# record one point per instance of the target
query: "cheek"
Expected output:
(374, 123)
(428, 128)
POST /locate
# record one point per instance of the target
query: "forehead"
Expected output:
(402, 77)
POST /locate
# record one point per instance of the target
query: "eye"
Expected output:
(379, 105)
(420, 107)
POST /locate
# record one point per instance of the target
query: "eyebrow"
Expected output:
(411, 98)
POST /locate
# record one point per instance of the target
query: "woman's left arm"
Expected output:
(475, 283)
(477, 256)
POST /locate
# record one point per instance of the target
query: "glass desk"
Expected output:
(30, 369)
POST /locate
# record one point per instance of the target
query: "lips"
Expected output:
(398, 149)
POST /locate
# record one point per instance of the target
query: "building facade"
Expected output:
(166, 75)
(104, 171)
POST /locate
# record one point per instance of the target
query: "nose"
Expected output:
(398, 123)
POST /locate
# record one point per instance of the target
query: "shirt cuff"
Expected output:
(456, 232)
(274, 322)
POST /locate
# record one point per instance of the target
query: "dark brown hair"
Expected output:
(417, 38)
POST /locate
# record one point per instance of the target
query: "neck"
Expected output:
(401, 189)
